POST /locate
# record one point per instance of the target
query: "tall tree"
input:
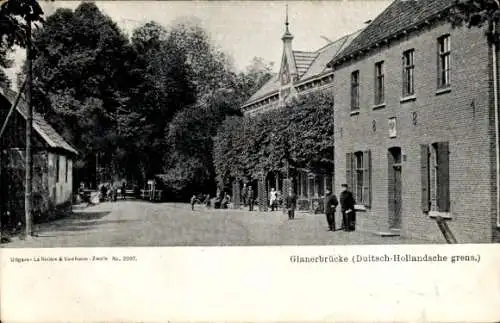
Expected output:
(164, 88)
(192, 131)
(82, 74)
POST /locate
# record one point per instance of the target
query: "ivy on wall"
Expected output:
(299, 135)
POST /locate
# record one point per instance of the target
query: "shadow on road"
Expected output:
(79, 221)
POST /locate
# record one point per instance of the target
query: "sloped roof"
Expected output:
(269, 87)
(40, 125)
(309, 64)
(325, 54)
(303, 60)
(399, 16)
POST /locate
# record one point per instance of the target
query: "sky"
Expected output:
(242, 29)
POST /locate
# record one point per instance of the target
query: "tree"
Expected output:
(82, 79)
(5, 63)
(14, 17)
(477, 13)
(210, 67)
(192, 131)
(254, 77)
(164, 88)
(300, 135)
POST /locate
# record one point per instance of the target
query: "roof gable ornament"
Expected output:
(288, 70)
(287, 35)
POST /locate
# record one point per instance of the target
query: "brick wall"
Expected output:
(461, 116)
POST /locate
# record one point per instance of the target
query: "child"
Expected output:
(193, 201)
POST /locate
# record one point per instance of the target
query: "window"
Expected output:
(67, 168)
(379, 83)
(435, 177)
(408, 69)
(358, 176)
(58, 160)
(355, 90)
(444, 61)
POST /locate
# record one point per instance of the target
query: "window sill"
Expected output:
(443, 215)
(378, 106)
(408, 98)
(443, 90)
(354, 112)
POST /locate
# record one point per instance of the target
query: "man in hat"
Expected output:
(250, 199)
(348, 212)
(291, 204)
(331, 203)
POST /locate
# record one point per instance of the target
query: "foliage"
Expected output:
(81, 80)
(141, 107)
(219, 93)
(5, 63)
(14, 17)
(164, 88)
(299, 135)
(477, 13)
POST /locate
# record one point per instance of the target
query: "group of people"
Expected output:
(221, 201)
(347, 203)
(110, 192)
(275, 199)
(248, 197)
(331, 202)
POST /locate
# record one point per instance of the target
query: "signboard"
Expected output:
(392, 127)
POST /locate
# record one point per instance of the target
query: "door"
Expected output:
(395, 196)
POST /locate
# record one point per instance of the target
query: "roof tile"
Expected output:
(40, 125)
(397, 17)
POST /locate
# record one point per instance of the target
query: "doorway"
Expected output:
(394, 189)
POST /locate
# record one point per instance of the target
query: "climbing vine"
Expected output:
(297, 136)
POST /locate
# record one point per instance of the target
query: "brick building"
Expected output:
(301, 72)
(416, 124)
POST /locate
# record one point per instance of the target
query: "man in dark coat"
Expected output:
(291, 204)
(348, 211)
(244, 192)
(250, 199)
(331, 203)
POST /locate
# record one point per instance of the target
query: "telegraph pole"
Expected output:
(29, 126)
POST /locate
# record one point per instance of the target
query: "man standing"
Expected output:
(244, 195)
(272, 199)
(348, 212)
(250, 198)
(331, 203)
(291, 204)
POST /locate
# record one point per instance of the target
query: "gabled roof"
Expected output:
(269, 87)
(309, 65)
(40, 125)
(325, 54)
(401, 15)
(303, 61)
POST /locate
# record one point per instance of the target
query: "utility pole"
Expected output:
(97, 170)
(29, 126)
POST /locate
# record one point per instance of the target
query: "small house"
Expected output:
(53, 160)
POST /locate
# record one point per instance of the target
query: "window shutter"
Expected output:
(443, 202)
(367, 178)
(348, 168)
(424, 172)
